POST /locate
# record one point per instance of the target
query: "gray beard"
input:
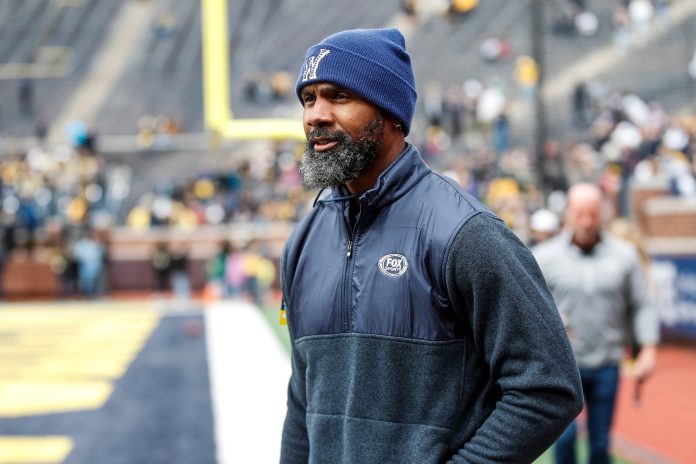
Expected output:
(344, 162)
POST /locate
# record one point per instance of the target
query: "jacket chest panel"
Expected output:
(387, 286)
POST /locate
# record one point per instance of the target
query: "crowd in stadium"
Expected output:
(54, 196)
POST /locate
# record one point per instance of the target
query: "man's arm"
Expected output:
(295, 443)
(644, 320)
(498, 289)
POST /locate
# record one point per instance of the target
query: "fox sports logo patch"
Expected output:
(393, 265)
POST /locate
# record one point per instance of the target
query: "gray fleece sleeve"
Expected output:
(500, 293)
(294, 442)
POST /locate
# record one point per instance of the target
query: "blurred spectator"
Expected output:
(501, 130)
(662, 13)
(543, 224)
(462, 7)
(65, 266)
(215, 272)
(281, 84)
(433, 103)
(580, 105)
(408, 7)
(493, 49)
(164, 25)
(156, 131)
(235, 272)
(263, 87)
(25, 96)
(641, 14)
(552, 167)
(586, 23)
(161, 261)
(599, 287)
(90, 255)
(453, 110)
(180, 279)
(41, 128)
(621, 23)
(260, 273)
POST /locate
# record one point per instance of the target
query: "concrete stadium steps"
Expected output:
(447, 50)
(164, 75)
(20, 29)
(78, 27)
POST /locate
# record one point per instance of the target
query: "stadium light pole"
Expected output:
(537, 33)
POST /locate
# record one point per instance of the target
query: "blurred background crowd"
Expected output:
(127, 193)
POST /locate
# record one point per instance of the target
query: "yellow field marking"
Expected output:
(69, 369)
(25, 399)
(33, 450)
(66, 358)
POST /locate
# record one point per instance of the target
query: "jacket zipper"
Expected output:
(347, 271)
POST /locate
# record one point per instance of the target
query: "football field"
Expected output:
(135, 382)
(146, 381)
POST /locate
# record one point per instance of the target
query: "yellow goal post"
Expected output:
(218, 117)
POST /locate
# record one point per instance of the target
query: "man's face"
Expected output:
(584, 216)
(343, 135)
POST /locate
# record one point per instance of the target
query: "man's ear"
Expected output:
(392, 122)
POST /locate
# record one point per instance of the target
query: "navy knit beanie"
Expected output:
(373, 63)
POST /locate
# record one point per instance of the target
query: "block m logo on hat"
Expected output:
(313, 64)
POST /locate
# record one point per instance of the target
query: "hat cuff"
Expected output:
(370, 80)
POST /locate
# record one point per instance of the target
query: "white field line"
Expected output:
(249, 372)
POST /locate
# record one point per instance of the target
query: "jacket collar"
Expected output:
(394, 182)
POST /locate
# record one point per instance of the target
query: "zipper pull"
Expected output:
(350, 248)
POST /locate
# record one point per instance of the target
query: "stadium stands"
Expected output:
(50, 45)
(158, 95)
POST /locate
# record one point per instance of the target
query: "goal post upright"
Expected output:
(217, 114)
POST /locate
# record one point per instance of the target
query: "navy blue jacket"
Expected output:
(423, 333)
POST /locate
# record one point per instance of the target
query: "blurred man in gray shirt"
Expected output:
(598, 284)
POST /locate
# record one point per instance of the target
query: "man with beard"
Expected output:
(422, 330)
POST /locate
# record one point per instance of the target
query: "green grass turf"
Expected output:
(547, 457)
(272, 315)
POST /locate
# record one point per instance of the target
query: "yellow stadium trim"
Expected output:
(216, 111)
(249, 129)
(33, 450)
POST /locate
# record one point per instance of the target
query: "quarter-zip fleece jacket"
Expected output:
(421, 333)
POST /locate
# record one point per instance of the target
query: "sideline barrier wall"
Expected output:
(129, 252)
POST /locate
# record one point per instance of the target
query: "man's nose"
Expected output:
(319, 114)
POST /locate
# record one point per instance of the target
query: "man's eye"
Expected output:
(307, 98)
(341, 96)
